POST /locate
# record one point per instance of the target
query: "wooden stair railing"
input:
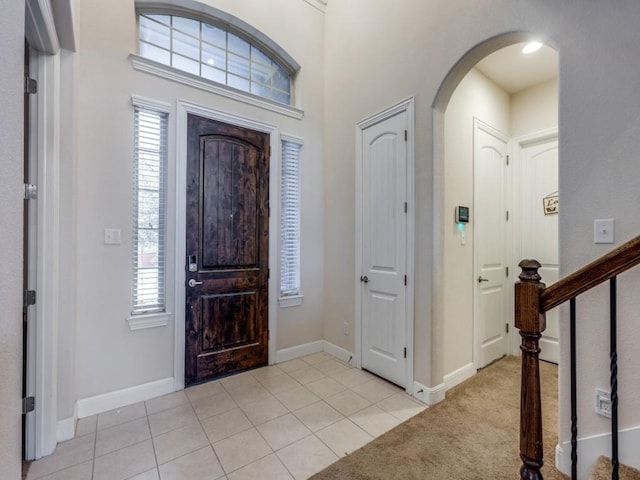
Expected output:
(532, 300)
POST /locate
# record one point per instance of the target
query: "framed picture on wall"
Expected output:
(551, 204)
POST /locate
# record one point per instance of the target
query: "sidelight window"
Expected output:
(149, 205)
(290, 218)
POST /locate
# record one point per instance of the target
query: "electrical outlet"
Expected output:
(345, 328)
(603, 403)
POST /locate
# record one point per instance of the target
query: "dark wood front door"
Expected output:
(227, 228)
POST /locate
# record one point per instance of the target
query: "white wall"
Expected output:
(110, 357)
(475, 97)
(379, 52)
(11, 179)
(534, 109)
(370, 64)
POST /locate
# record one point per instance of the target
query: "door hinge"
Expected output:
(406, 207)
(507, 327)
(29, 298)
(506, 270)
(28, 404)
(30, 191)
(30, 86)
(406, 135)
(405, 280)
(507, 160)
(507, 215)
(268, 273)
(405, 352)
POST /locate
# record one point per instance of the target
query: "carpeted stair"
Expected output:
(602, 471)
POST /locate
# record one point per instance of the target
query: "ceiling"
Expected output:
(514, 71)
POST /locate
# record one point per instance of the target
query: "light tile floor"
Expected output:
(281, 422)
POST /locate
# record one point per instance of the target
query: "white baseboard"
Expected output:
(121, 398)
(433, 395)
(340, 353)
(298, 351)
(291, 353)
(590, 448)
(429, 395)
(66, 429)
(458, 376)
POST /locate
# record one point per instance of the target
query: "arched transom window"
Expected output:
(214, 53)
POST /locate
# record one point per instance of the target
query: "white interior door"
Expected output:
(491, 302)
(384, 248)
(539, 232)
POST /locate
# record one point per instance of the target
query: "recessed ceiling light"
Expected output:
(531, 47)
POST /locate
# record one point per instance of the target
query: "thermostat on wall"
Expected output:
(462, 214)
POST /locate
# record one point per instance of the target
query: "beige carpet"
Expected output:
(472, 434)
(602, 471)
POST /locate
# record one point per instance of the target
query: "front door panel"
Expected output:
(227, 249)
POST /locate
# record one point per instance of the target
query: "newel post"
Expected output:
(531, 324)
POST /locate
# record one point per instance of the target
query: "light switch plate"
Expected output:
(112, 236)
(603, 230)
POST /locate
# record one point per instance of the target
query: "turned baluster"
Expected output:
(531, 324)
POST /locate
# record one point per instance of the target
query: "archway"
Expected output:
(455, 245)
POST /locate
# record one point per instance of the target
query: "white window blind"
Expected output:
(290, 219)
(149, 204)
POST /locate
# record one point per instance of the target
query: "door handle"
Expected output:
(364, 279)
(480, 279)
(193, 283)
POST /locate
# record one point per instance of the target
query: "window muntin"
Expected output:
(149, 205)
(290, 218)
(213, 53)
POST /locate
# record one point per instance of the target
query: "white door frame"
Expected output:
(407, 105)
(183, 109)
(44, 146)
(516, 147)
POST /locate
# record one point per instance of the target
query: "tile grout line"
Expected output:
(153, 444)
(290, 412)
(255, 427)
(205, 432)
(95, 445)
(282, 461)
